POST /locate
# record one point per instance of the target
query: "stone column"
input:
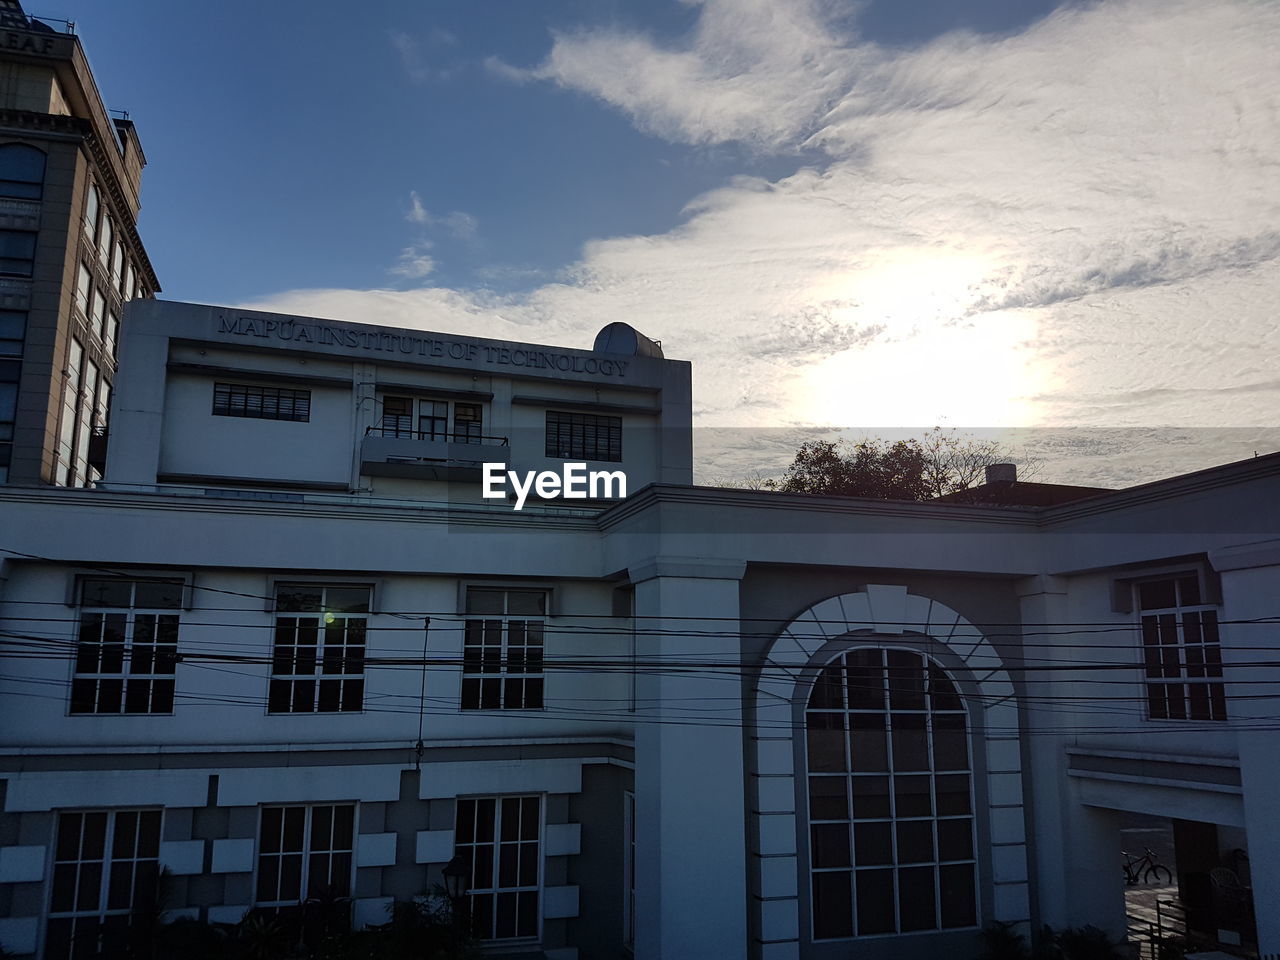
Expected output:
(691, 894)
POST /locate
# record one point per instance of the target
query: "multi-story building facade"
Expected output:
(70, 255)
(286, 649)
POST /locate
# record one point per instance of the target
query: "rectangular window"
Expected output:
(105, 867)
(397, 417)
(84, 281)
(117, 264)
(112, 332)
(468, 422)
(261, 403)
(584, 436)
(13, 329)
(98, 316)
(17, 253)
(88, 393)
(498, 838)
(502, 649)
(127, 646)
(304, 852)
(1182, 658)
(317, 663)
(70, 403)
(10, 370)
(432, 421)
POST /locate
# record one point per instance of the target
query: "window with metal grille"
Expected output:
(1182, 658)
(890, 798)
(304, 852)
(432, 421)
(584, 436)
(317, 660)
(261, 403)
(499, 839)
(397, 417)
(468, 422)
(502, 649)
(127, 647)
(105, 867)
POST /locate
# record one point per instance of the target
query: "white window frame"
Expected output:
(108, 860)
(482, 672)
(318, 677)
(850, 774)
(306, 852)
(126, 675)
(495, 889)
(1158, 624)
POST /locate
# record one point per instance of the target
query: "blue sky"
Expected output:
(987, 214)
(284, 138)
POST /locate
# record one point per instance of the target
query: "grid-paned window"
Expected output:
(261, 403)
(397, 417)
(432, 420)
(127, 647)
(1182, 658)
(317, 661)
(468, 422)
(304, 852)
(499, 839)
(584, 436)
(890, 798)
(502, 649)
(105, 867)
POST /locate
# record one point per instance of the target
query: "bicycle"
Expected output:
(1145, 869)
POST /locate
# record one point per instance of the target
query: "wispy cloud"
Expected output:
(424, 62)
(461, 225)
(414, 262)
(1071, 224)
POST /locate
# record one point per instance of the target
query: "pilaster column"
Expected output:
(1251, 591)
(691, 894)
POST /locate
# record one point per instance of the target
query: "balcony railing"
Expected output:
(440, 436)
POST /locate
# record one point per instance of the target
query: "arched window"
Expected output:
(21, 171)
(92, 204)
(890, 798)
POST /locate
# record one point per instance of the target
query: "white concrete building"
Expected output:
(286, 648)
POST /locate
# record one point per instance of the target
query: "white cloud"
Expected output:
(462, 225)
(1070, 225)
(414, 263)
